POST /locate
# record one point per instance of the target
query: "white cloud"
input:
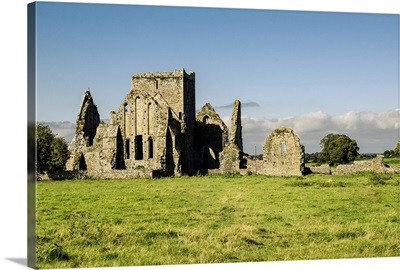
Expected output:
(373, 131)
(367, 120)
(63, 129)
(313, 121)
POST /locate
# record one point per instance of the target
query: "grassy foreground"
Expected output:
(213, 219)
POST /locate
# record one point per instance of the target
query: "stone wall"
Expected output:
(114, 174)
(254, 165)
(283, 154)
(87, 122)
(235, 136)
(210, 137)
(375, 164)
(230, 159)
(88, 118)
(323, 169)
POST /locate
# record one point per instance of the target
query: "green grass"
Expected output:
(214, 219)
(392, 162)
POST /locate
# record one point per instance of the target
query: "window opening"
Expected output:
(127, 152)
(126, 120)
(149, 114)
(138, 147)
(82, 163)
(150, 147)
(206, 120)
(283, 147)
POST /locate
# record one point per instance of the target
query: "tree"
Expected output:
(388, 153)
(314, 157)
(396, 151)
(59, 154)
(337, 149)
(52, 151)
(307, 157)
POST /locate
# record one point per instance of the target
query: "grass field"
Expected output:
(392, 162)
(209, 219)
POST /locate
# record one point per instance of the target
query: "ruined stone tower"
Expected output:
(157, 121)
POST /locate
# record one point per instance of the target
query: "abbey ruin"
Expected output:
(157, 132)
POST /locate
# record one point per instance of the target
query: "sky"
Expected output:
(316, 72)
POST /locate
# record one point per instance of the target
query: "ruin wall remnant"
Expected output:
(88, 120)
(283, 154)
(211, 137)
(235, 136)
(376, 165)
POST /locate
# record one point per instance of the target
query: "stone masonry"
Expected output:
(155, 129)
(236, 126)
(232, 156)
(152, 129)
(283, 154)
(211, 137)
(376, 165)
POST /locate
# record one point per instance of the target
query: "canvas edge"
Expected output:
(31, 129)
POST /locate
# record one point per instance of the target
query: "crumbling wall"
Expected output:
(210, 137)
(88, 118)
(282, 153)
(323, 169)
(254, 165)
(235, 136)
(86, 127)
(106, 152)
(101, 174)
(230, 159)
(108, 143)
(143, 123)
(375, 164)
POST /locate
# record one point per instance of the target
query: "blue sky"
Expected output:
(317, 72)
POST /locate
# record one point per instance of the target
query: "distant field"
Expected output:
(213, 219)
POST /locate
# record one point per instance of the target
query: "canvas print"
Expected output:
(179, 135)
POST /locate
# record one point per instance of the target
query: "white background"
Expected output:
(13, 237)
